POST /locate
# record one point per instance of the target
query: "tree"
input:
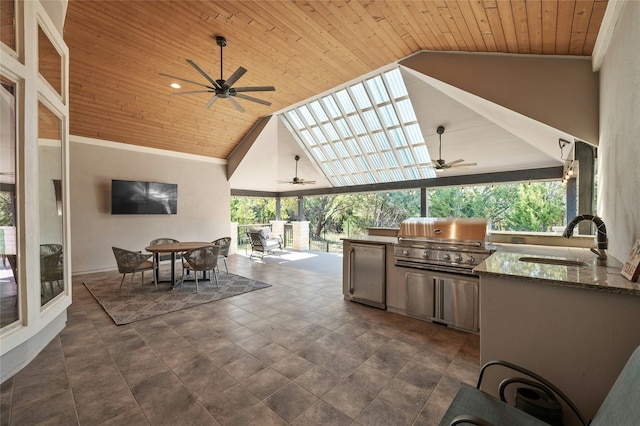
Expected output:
(537, 208)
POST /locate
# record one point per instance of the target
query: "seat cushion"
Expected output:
(472, 401)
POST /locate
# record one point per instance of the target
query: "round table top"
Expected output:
(176, 246)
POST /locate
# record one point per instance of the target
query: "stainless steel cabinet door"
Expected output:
(420, 294)
(367, 274)
(458, 302)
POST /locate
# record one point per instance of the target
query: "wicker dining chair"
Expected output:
(159, 257)
(224, 243)
(51, 269)
(200, 259)
(130, 262)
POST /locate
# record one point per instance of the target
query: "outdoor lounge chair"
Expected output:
(263, 241)
(621, 406)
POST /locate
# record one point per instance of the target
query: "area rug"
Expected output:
(145, 302)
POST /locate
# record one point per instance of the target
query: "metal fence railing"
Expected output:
(317, 243)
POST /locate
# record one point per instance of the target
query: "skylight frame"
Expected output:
(367, 123)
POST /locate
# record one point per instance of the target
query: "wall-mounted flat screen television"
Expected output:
(134, 197)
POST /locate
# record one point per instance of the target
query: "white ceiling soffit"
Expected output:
(561, 92)
(272, 157)
(477, 130)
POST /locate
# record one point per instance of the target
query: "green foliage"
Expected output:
(510, 207)
(6, 214)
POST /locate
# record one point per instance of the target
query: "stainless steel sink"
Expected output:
(552, 261)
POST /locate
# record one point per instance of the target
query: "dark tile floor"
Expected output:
(294, 353)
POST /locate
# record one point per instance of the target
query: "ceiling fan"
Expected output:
(223, 88)
(441, 165)
(296, 180)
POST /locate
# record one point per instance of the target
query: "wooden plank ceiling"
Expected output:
(303, 48)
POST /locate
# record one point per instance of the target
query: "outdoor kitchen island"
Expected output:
(574, 325)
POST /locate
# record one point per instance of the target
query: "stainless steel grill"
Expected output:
(448, 245)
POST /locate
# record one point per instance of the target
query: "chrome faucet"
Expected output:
(601, 235)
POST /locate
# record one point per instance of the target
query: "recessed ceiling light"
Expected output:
(175, 85)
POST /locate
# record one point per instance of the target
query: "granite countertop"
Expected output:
(505, 263)
(371, 239)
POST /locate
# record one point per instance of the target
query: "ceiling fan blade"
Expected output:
(211, 101)
(451, 163)
(185, 80)
(308, 182)
(250, 98)
(235, 76)
(192, 92)
(465, 165)
(255, 89)
(204, 74)
(283, 181)
(236, 104)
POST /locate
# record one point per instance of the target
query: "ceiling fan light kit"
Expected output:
(222, 88)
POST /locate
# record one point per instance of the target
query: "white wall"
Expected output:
(203, 201)
(619, 151)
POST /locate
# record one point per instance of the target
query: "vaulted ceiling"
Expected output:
(303, 48)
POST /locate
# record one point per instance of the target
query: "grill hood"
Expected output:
(458, 229)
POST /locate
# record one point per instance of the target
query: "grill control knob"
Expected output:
(459, 258)
(405, 252)
(471, 260)
(425, 255)
(446, 257)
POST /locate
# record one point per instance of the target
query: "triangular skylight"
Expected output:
(366, 133)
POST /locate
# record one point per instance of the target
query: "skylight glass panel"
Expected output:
(361, 96)
(331, 106)
(405, 156)
(405, 111)
(357, 124)
(343, 128)
(345, 101)
(377, 89)
(354, 147)
(422, 155)
(381, 140)
(330, 152)
(390, 158)
(342, 150)
(412, 172)
(317, 152)
(295, 119)
(366, 133)
(371, 118)
(306, 115)
(307, 137)
(318, 111)
(331, 131)
(377, 161)
(388, 115)
(362, 163)
(370, 177)
(397, 137)
(367, 143)
(414, 134)
(328, 169)
(396, 84)
(351, 165)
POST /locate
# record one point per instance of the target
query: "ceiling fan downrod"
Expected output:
(222, 42)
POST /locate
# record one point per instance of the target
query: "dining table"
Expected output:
(174, 249)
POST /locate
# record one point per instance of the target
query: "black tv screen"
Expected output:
(134, 197)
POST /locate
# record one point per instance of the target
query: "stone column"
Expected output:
(301, 235)
(277, 227)
(233, 233)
